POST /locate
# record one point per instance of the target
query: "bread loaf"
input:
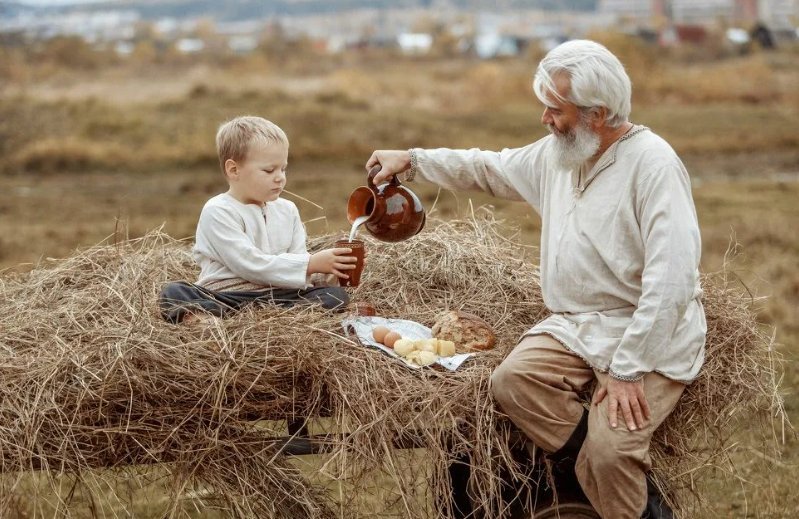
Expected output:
(467, 331)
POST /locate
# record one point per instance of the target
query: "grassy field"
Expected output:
(130, 149)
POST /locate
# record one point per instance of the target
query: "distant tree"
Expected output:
(73, 52)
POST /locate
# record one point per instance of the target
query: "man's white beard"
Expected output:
(570, 150)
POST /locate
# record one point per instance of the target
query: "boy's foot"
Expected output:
(192, 318)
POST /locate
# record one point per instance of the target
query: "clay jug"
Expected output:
(395, 212)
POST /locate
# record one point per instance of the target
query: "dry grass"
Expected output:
(128, 119)
(94, 379)
(136, 141)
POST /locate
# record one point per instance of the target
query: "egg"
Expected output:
(379, 333)
(391, 338)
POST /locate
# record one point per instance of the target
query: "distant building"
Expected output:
(631, 9)
(415, 42)
(242, 43)
(189, 45)
(495, 45)
(774, 13)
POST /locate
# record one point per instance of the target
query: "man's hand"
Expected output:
(391, 162)
(332, 261)
(627, 397)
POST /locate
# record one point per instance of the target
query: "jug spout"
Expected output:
(395, 212)
(362, 203)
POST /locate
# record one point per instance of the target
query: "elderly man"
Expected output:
(620, 251)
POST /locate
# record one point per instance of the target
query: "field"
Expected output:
(123, 148)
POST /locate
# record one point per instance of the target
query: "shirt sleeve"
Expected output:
(513, 174)
(299, 237)
(227, 243)
(670, 275)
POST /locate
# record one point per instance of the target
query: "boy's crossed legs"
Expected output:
(180, 299)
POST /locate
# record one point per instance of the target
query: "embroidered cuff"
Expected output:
(411, 173)
(626, 378)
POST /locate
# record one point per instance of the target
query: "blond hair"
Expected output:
(234, 138)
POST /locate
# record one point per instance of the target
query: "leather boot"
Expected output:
(656, 507)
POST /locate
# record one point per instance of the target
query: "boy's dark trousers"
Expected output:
(181, 298)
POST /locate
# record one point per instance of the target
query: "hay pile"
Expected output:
(92, 377)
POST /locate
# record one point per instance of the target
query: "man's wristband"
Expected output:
(410, 174)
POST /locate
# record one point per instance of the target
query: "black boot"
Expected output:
(564, 459)
(656, 507)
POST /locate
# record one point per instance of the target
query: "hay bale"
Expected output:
(92, 377)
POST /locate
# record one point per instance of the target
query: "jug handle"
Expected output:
(374, 171)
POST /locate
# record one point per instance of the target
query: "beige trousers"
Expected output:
(538, 386)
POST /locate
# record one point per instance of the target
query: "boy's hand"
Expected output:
(391, 162)
(332, 261)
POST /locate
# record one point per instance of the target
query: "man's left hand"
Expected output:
(627, 397)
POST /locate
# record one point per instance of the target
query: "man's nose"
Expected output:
(546, 117)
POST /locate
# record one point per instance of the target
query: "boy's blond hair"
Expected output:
(233, 139)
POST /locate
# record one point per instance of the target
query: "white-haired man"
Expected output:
(620, 252)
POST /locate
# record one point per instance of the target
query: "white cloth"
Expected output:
(249, 247)
(620, 248)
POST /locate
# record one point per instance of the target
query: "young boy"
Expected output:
(250, 243)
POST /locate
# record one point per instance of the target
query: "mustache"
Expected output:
(558, 133)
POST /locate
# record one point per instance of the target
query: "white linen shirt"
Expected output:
(620, 248)
(249, 247)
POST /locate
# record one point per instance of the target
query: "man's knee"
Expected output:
(611, 449)
(506, 381)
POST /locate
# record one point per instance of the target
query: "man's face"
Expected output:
(261, 176)
(575, 141)
(560, 116)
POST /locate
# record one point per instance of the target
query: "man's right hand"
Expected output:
(391, 162)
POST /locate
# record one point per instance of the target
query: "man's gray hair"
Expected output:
(597, 77)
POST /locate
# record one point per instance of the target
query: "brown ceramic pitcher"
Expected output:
(395, 212)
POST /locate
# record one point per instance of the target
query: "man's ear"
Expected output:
(231, 169)
(599, 116)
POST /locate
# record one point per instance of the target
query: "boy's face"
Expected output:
(261, 176)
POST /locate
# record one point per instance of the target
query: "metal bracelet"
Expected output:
(411, 173)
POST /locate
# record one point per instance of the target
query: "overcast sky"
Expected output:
(56, 2)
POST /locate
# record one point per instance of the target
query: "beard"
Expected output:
(572, 148)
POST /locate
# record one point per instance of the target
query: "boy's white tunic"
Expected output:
(620, 248)
(246, 247)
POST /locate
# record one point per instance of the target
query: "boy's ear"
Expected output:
(231, 169)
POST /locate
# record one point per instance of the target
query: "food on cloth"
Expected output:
(413, 356)
(421, 352)
(425, 358)
(424, 352)
(422, 358)
(467, 331)
(379, 333)
(403, 347)
(430, 345)
(391, 338)
(445, 348)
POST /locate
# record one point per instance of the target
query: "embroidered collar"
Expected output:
(605, 161)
